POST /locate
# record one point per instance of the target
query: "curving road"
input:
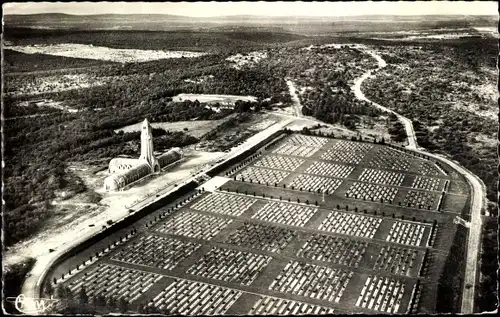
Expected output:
(478, 190)
(412, 139)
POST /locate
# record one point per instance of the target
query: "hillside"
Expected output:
(225, 40)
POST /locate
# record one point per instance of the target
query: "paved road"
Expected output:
(478, 190)
(412, 140)
(296, 101)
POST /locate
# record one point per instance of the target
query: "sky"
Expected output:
(299, 8)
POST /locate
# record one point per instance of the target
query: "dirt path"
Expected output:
(478, 190)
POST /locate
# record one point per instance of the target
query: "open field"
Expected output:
(102, 53)
(206, 98)
(257, 241)
(236, 131)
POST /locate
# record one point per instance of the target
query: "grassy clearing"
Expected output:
(206, 98)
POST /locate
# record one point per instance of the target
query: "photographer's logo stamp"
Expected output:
(31, 305)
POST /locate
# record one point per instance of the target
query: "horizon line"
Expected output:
(255, 15)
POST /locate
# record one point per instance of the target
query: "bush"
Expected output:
(94, 197)
(13, 279)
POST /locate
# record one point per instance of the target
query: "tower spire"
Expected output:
(147, 146)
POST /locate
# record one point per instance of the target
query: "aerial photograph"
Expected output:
(250, 158)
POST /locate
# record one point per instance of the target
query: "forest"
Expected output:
(324, 76)
(152, 82)
(191, 40)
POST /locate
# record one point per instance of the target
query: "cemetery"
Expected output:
(230, 265)
(262, 237)
(193, 225)
(224, 204)
(351, 224)
(347, 152)
(315, 183)
(421, 199)
(387, 158)
(407, 233)
(278, 306)
(373, 192)
(185, 297)
(155, 251)
(284, 213)
(329, 169)
(381, 177)
(396, 260)
(295, 150)
(261, 175)
(429, 169)
(285, 163)
(114, 281)
(312, 225)
(427, 183)
(332, 249)
(307, 140)
(382, 294)
(313, 281)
